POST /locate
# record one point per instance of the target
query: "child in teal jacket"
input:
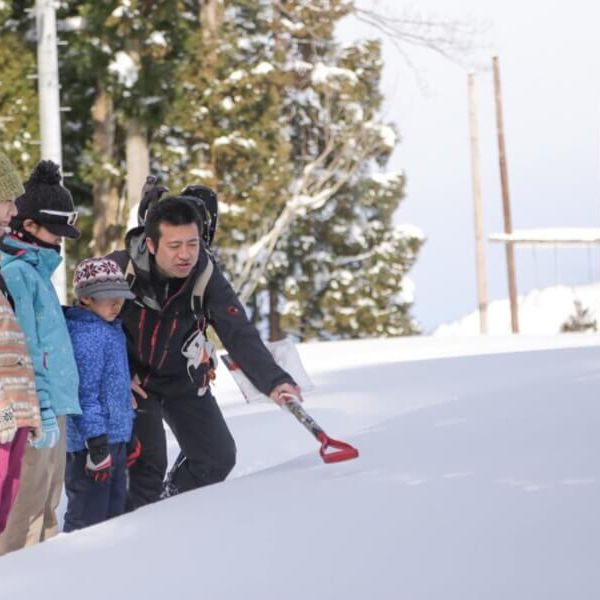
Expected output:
(27, 270)
(45, 214)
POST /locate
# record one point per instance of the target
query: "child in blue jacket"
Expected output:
(97, 441)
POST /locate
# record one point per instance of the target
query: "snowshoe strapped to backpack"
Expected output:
(204, 199)
(207, 203)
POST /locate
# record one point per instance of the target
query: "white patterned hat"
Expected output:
(100, 278)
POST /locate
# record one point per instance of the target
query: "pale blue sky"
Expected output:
(550, 64)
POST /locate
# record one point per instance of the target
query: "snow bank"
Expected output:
(477, 479)
(540, 312)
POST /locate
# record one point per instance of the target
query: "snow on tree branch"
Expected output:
(321, 179)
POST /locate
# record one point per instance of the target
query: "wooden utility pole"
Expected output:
(49, 103)
(510, 255)
(477, 206)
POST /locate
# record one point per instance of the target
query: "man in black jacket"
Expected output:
(165, 260)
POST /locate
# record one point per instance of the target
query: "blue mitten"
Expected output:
(50, 432)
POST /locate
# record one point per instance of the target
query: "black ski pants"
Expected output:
(202, 434)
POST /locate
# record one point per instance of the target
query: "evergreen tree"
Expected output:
(225, 129)
(341, 268)
(19, 123)
(256, 99)
(117, 73)
(279, 100)
(580, 321)
(348, 267)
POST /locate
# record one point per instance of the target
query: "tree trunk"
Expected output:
(107, 230)
(138, 166)
(211, 19)
(211, 14)
(275, 331)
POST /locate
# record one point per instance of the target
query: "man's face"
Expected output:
(8, 210)
(178, 249)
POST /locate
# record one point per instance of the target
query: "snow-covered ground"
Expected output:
(541, 311)
(478, 479)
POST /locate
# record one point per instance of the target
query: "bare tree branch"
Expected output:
(453, 39)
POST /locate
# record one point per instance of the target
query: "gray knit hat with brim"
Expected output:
(100, 278)
(10, 183)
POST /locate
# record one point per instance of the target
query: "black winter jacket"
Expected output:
(160, 319)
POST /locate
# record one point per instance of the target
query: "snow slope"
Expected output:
(478, 478)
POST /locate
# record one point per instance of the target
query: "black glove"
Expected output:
(99, 460)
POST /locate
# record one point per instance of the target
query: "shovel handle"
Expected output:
(341, 450)
(293, 405)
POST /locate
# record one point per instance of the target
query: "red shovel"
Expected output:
(332, 451)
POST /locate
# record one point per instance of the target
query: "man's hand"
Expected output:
(281, 393)
(136, 386)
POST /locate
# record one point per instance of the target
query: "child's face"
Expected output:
(41, 233)
(106, 308)
(8, 210)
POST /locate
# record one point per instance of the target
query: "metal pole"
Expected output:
(477, 206)
(49, 101)
(510, 255)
